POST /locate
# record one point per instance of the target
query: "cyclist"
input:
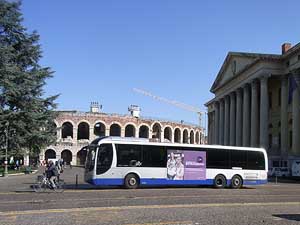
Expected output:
(51, 173)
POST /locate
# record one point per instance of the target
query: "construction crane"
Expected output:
(174, 103)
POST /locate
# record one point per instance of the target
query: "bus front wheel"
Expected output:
(236, 182)
(220, 181)
(131, 181)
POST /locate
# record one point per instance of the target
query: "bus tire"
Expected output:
(220, 181)
(132, 181)
(236, 182)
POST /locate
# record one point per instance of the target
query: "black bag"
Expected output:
(55, 173)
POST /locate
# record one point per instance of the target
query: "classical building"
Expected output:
(257, 103)
(77, 129)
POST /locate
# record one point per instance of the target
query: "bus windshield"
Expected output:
(90, 160)
(104, 158)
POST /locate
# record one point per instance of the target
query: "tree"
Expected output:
(23, 106)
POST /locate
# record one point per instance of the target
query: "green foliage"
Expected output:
(22, 102)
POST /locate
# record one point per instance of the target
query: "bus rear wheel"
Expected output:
(236, 182)
(220, 181)
(132, 181)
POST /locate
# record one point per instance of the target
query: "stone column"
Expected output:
(221, 122)
(246, 116)
(296, 118)
(284, 115)
(232, 129)
(239, 118)
(254, 114)
(75, 130)
(92, 135)
(162, 136)
(122, 132)
(226, 121)
(217, 117)
(107, 131)
(58, 133)
(264, 113)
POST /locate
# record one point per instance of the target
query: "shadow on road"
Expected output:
(294, 217)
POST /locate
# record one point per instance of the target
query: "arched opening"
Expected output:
(185, 137)
(177, 135)
(66, 155)
(129, 131)
(81, 156)
(192, 137)
(99, 129)
(197, 138)
(67, 130)
(144, 132)
(156, 131)
(50, 154)
(115, 130)
(168, 134)
(83, 131)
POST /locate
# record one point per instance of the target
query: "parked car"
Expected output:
(280, 172)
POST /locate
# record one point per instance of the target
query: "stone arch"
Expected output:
(67, 130)
(144, 131)
(66, 155)
(130, 130)
(99, 128)
(185, 136)
(197, 138)
(156, 130)
(50, 154)
(83, 131)
(168, 133)
(192, 137)
(81, 156)
(115, 130)
(177, 135)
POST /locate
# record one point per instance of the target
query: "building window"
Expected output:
(270, 100)
(279, 124)
(279, 97)
(275, 163)
(291, 139)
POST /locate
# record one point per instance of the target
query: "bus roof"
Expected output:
(156, 142)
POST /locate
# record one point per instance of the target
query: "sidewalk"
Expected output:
(23, 181)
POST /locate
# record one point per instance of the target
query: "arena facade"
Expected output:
(75, 130)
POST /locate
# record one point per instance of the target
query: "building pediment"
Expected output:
(234, 63)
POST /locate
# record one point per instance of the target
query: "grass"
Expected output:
(13, 171)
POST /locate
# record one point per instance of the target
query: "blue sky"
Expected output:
(100, 50)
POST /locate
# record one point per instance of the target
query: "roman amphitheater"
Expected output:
(75, 130)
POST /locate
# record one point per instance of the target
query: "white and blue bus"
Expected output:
(134, 162)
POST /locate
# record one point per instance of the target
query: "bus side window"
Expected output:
(218, 158)
(238, 159)
(154, 156)
(129, 155)
(255, 160)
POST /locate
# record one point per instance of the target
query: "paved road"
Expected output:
(268, 204)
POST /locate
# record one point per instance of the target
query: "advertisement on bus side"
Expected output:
(186, 165)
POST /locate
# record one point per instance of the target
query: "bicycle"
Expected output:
(43, 183)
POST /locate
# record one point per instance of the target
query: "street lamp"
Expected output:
(6, 148)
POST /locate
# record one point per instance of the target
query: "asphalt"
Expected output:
(267, 204)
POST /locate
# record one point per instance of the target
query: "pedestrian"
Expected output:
(17, 164)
